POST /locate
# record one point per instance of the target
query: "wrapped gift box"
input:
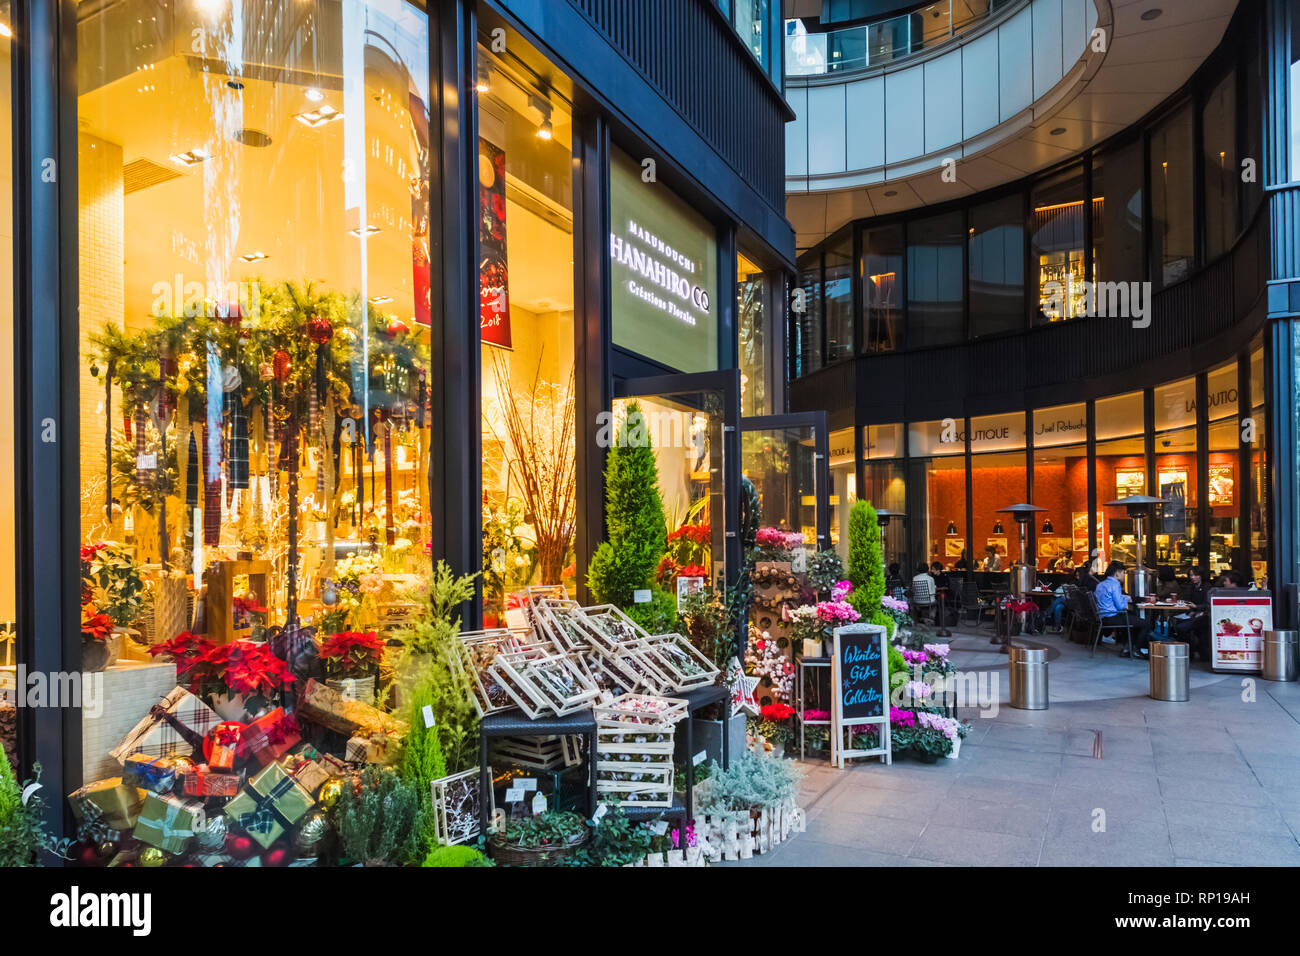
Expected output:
(373, 748)
(111, 802)
(270, 736)
(169, 822)
(201, 780)
(177, 725)
(222, 745)
(155, 774)
(272, 802)
(325, 706)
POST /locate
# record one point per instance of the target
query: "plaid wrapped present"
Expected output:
(323, 705)
(222, 746)
(270, 736)
(110, 803)
(200, 780)
(272, 802)
(374, 747)
(169, 822)
(155, 774)
(310, 774)
(175, 726)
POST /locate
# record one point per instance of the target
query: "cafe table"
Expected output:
(1162, 610)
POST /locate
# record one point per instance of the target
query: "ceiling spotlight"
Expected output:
(1047, 526)
(1152, 13)
(319, 116)
(5, 31)
(952, 528)
(484, 81)
(313, 94)
(997, 527)
(191, 157)
(1058, 131)
(364, 232)
(380, 299)
(234, 84)
(254, 256)
(545, 131)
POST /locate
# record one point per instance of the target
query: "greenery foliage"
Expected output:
(866, 566)
(423, 763)
(751, 782)
(634, 518)
(22, 826)
(615, 840)
(825, 570)
(549, 828)
(376, 818)
(431, 657)
(460, 855)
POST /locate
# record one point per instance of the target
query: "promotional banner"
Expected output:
(494, 274)
(1238, 620)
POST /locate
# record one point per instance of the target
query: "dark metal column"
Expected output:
(47, 468)
(454, 476)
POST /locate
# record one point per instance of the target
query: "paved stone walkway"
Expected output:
(1214, 780)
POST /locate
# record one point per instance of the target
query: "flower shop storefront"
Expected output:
(289, 490)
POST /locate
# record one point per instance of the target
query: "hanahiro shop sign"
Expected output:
(661, 276)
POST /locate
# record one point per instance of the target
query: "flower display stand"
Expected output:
(690, 856)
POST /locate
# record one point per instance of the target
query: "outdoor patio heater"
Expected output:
(1139, 581)
(883, 517)
(1024, 574)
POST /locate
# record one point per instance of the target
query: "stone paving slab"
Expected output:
(1213, 781)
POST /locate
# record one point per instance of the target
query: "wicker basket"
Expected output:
(506, 854)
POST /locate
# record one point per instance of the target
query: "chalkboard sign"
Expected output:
(859, 690)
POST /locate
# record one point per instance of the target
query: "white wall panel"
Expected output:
(826, 129)
(904, 112)
(943, 92)
(1015, 53)
(864, 106)
(796, 133)
(1047, 45)
(980, 85)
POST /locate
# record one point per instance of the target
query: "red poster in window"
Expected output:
(420, 208)
(494, 274)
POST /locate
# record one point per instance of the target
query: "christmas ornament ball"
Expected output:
(87, 855)
(319, 329)
(329, 793)
(213, 836)
(276, 856)
(310, 835)
(151, 856)
(396, 327)
(106, 849)
(240, 847)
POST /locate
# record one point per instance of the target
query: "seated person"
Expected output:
(923, 591)
(894, 581)
(1166, 585)
(993, 562)
(1112, 602)
(1085, 578)
(940, 576)
(1194, 626)
(1057, 609)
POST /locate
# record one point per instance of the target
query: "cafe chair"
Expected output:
(1114, 629)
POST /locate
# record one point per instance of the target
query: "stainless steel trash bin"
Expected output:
(1028, 669)
(1169, 666)
(1280, 655)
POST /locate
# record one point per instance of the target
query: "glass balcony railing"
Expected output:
(878, 44)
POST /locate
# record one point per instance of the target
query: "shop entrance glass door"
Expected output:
(693, 424)
(787, 457)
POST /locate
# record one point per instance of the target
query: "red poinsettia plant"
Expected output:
(689, 544)
(247, 668)
(777, 712)
(352, 653)
(245, 608)
(95, 626)
(183, 649)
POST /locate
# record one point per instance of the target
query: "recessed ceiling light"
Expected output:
(1058, 131)
(545, 131)
(484, 81)
(368, 231)
(234, 84)
(314, 94)
(380, 299)
(890, 193)
(254, 256)
(5, 31)
(1152, 13)
(319, 117)
(191, 157)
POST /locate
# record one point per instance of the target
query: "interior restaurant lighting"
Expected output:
(484, 81)
(319, 117)
(314, 94)
(997, 526)
(5, 31)
(256, 256)
(364, 232)
(191, 157)
(540, 103)
(952, 528)
(1047, 526)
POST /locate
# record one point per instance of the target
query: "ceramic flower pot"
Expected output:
(956, 748)
(97, 655)
(812, 648)
(230, 706)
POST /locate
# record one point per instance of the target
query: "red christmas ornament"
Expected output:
(396, 327)
(88, 856)
(280, 365)
(319, 329)
(240, 847)
(277, 856)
